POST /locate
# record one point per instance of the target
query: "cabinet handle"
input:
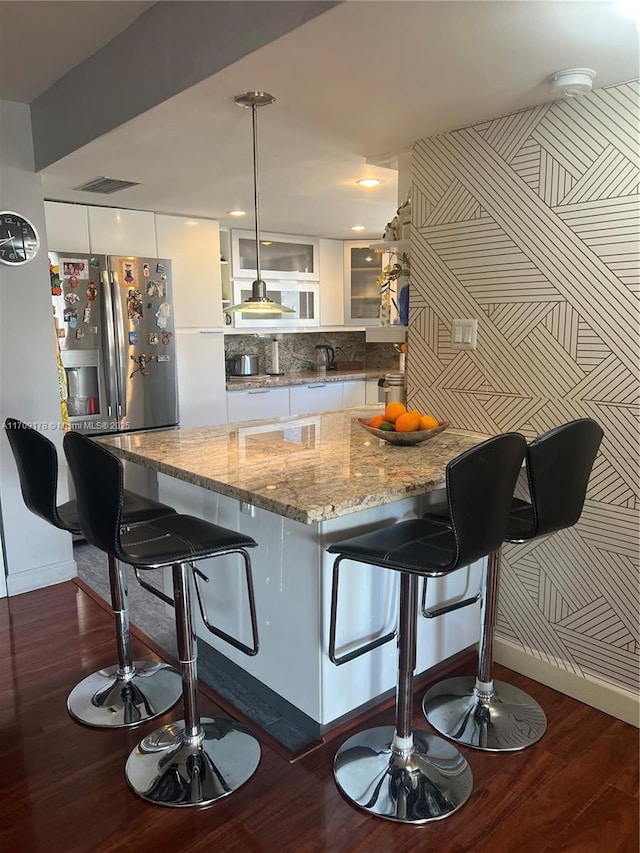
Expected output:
(318, 385)
(260, 391)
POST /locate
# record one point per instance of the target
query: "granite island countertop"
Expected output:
(302, 377)
(308, 468)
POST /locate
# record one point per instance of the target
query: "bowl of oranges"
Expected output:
(401, 427)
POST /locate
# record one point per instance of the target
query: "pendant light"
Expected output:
(258, 302)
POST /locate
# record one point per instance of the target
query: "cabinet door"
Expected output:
(331, 283)
(353, 393)
(373, 392)
(315, 397)
(257, 403)
(194, 248)
(281, 256)
(122, 232)
(201, 383)
(362, 266)
(67, 227)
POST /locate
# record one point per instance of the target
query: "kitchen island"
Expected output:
(296, 485)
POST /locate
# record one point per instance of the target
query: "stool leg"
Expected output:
(480, 712)
(130, 693)
(195, 761)
(395, 772)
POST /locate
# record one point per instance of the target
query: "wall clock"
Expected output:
(19, 241)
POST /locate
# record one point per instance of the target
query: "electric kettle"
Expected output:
(325, 357)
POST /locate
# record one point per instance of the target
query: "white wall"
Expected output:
(36, 553)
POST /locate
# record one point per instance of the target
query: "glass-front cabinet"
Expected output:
(362, 266)
(280, 256)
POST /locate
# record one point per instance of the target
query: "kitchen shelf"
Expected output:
(382, 334)
(390, 245)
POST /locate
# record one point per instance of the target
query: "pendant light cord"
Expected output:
(254, 111)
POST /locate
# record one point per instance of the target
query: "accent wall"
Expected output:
(529, 223)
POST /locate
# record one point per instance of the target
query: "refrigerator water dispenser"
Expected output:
(83, 388)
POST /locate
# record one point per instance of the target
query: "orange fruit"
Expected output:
(408, 422)
(393, 411)
(376, 420)
(428, 422)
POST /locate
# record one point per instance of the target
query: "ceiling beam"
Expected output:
(168, 49)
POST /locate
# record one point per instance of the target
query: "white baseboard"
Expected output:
(610, 698)
(41, 576)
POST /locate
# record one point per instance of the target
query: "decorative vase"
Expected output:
(385, 308)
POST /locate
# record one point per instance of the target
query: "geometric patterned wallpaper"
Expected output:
(530, 223)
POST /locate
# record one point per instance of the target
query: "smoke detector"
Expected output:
(572, 82)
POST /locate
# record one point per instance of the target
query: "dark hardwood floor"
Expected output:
(62, 786)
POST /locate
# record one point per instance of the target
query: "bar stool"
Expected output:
(131, 692)
(397, 773)
(478, 711)
(195, 761)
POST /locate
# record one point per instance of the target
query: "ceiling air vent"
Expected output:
(106, 186)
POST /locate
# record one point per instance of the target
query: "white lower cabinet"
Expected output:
(294, 400)
(315, 397)
(353, 394)
(373, 392)
(257, 403)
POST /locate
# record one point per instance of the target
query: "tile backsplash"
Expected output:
(297, 351)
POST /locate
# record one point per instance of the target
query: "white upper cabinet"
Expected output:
(194, 248)
(67, 227)
(331, 283)
(362, 266)
(281, 256)
(122, 232)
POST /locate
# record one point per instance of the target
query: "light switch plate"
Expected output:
(464, 334)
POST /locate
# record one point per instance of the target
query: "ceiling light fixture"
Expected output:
(571, 83)
(369, 182)
(357, 227)
(237, 213)
(258, 302)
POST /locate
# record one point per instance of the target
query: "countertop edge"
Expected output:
(312, 515)
(242, 383)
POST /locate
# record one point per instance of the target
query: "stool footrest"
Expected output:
(338, 660)
(218, 632)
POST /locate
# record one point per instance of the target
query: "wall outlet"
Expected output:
(464, 334)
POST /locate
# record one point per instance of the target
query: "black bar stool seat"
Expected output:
(130, 692)
(394, 772)
(192, 762)
(479, 711)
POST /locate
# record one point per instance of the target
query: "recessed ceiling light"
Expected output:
(265, 242)
(368, 258)
(237, 213)
(369, 182)
(357, 227)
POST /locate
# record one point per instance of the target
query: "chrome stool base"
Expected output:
(106, 700)
(423, 784)
(507, 721)
(170, 769)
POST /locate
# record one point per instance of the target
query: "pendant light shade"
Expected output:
(258, 302)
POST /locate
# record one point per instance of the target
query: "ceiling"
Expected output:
(354, 86)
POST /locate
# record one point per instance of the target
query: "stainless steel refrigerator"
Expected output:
(114, 321)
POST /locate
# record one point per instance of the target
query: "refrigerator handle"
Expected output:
(119, 345)
(108, 342)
